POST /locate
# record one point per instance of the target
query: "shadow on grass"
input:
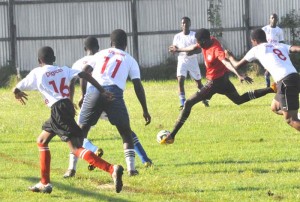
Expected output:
(83, 192)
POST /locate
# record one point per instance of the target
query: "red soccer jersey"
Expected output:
(212, 58)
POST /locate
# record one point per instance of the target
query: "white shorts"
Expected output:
(189, 65)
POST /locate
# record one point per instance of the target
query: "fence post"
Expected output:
(12, 34)
(135, 42)
(246, 18)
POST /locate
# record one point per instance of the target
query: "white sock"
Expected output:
(130, 158)
(72, 161)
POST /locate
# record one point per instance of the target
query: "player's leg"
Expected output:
(45, 160)
(140, 151)
(275, 107)
(267, 78)
(181, 91)
(205, 93)
(116, 171)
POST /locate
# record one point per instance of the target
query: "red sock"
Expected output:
(94, 160)
(45, 159)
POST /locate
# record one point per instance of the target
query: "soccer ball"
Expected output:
(161, 135)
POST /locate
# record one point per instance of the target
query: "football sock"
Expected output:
(129, 158)
(139, 149)
(94, 160)
(72, 161)
(45, 160)
(185, 113)
(89, 145)
(182, 98)
(255, 94)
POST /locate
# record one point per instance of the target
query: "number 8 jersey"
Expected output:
(52, 81)
(274, 57)
(112, 66)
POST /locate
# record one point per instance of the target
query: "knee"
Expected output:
(188, 104)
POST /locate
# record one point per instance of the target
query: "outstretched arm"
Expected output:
(190, 48)
(140, 93)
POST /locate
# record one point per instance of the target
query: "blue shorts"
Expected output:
(94, 104)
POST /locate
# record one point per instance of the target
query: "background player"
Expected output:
(187, 63)
(274, 34)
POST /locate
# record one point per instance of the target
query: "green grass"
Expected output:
(222, 153)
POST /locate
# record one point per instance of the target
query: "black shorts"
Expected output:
(62, 122)
(220, 85)
(288, 90)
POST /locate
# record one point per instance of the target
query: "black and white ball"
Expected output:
(161, 135)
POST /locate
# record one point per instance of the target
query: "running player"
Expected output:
(275, 58)
(217, 68)
(53, 83)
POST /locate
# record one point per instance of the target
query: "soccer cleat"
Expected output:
(167, 140)
(98, 153)
(274, 87)
(39, 187)
(117, 177)
(205, 102)
(148, 164)
(133, 173)
(70, 173)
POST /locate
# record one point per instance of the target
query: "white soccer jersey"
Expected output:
(274, 35)
(181, 41)
(52, 81)
(112, 66)
(274, 57)
(79, 64)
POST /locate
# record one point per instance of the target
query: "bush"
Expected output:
(6, 72)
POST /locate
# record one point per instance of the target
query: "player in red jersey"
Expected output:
(53, 83)
(217, 68)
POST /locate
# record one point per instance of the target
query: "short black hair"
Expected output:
(91, 43)
(202, 34)
(46, 54)
(118, 38)
(259, 35)
(186, 18)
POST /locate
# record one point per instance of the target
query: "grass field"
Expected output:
(223, 153)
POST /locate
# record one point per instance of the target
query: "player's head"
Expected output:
(203, 38)
(118, 39)
(46, 55)
(273, 20)
(91, 43)
(258, 36)
(185, 23)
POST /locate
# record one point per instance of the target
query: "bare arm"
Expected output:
(174, 49)
(140, 93)
(295, 49)
(20, 96)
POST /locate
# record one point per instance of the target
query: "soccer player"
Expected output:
(111, 68)
(53, 83)
(91, 47)
(217, 68)
(187, 63)
(275, 58)
(274, 34)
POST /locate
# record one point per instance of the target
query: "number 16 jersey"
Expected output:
(112, 66)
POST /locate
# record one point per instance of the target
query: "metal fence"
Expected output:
(26, 25)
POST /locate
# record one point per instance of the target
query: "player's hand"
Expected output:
(21, 97)
(173, 49)
(228, 53)
(108, 95)
(147, 118)
(246, 78)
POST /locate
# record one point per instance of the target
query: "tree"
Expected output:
(292, 21)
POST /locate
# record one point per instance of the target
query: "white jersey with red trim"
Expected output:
(52, 81)
(112, 66)
(274, 58)
(274, 35)
(79, 64)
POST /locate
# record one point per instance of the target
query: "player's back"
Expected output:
(112, 66)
